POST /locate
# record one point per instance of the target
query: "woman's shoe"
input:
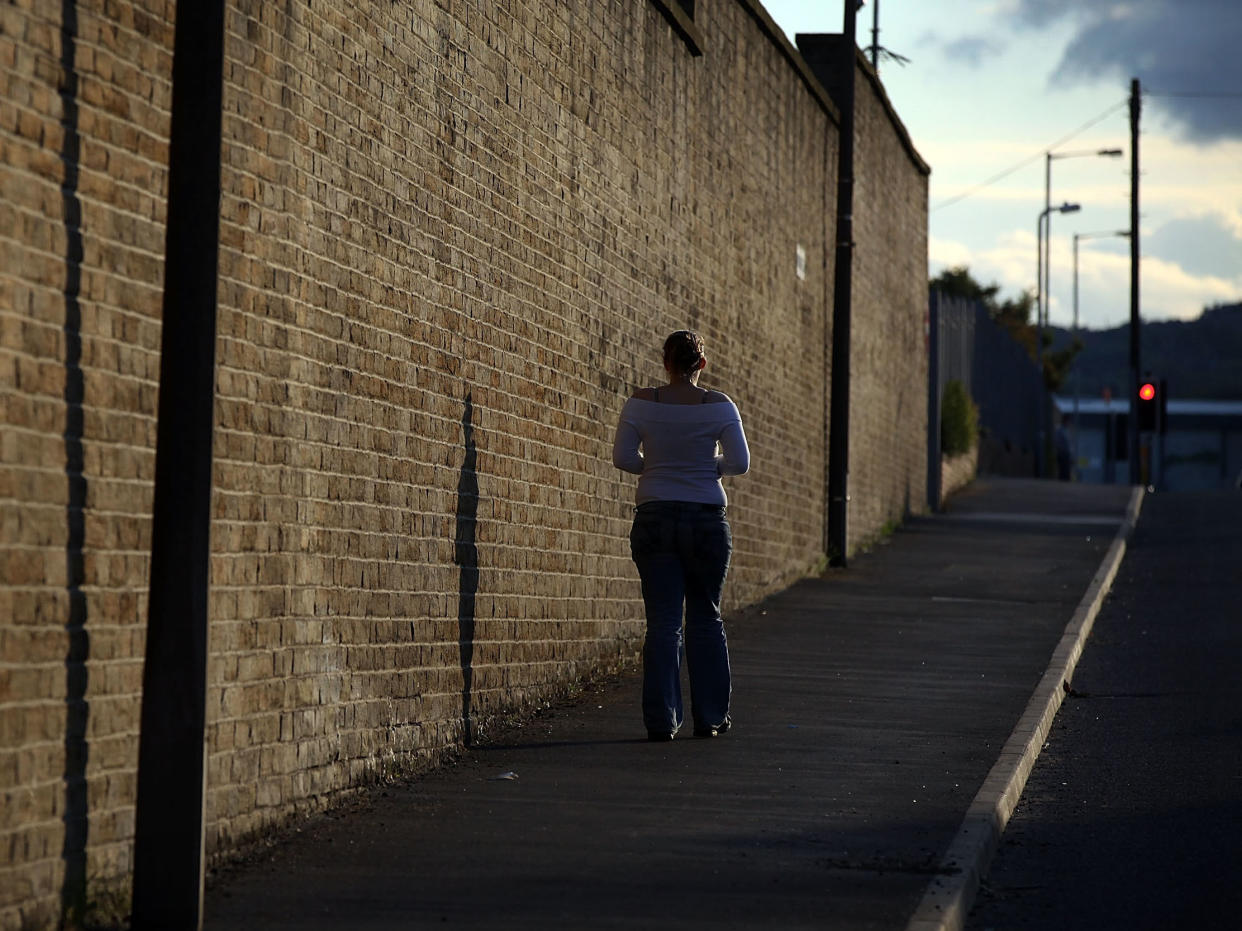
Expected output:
(713, 731)
(659, 736)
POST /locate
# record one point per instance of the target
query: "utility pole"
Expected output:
(1136, 106)
(875, 36)
(839, 406)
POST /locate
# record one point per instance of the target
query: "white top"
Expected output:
(686, 448)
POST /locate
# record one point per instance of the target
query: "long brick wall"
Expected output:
(453, 237)
(889, 338)
(889, 314)
(452, 245)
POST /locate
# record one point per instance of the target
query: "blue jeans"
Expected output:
(682, 551)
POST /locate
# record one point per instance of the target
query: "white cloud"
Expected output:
(1203, 244)
(947, 253)
(1010, 264)
(973, 123)
(1103, 290)
(1168, 291)
(1183, 180)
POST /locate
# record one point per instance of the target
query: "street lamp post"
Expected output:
(1077, 237)
(1043, 284)
(1041, 452)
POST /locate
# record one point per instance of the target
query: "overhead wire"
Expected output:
(1212, 94)
(1032, 158)
(1001, 175)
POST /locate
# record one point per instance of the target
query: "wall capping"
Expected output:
(873, 77)
(825, 52)
(792, 55)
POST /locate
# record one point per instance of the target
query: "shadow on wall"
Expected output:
(466, 556)
(77, 709)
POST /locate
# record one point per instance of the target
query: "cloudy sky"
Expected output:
(991, 85)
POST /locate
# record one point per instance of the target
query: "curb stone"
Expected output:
(950, 896)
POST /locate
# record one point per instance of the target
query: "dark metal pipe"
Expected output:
(839, 432)
(168, 837)
(875, 35)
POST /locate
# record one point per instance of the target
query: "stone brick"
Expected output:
(452, 241)
(118, 191)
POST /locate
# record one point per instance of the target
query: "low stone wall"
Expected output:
(956, 472)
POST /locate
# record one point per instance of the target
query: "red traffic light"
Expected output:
(1148, 391)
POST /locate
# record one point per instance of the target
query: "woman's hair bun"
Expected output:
(683, 352)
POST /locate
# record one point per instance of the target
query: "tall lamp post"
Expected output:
(1041, 452)
(1043, 284)
(1077, 237)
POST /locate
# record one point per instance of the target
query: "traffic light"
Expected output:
(1149, 397)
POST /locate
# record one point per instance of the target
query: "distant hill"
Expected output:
(1200, 358)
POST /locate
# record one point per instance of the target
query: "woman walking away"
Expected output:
(680, 439)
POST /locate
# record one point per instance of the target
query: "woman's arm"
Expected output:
(734, 458)
(625, 453)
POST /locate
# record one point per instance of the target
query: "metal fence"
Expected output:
(967, 345)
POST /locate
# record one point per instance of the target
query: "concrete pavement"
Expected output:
(873, 709)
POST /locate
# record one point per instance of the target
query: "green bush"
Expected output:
(959, 420)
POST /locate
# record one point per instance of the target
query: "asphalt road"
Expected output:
(1132, 815)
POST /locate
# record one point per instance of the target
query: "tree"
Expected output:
(958, 282)
(1014, 314)
(1057, 364)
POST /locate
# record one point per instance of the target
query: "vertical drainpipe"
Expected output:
(933, 401)
(168, 834)
(826, 374)
(1136, 109)
(839, 432)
